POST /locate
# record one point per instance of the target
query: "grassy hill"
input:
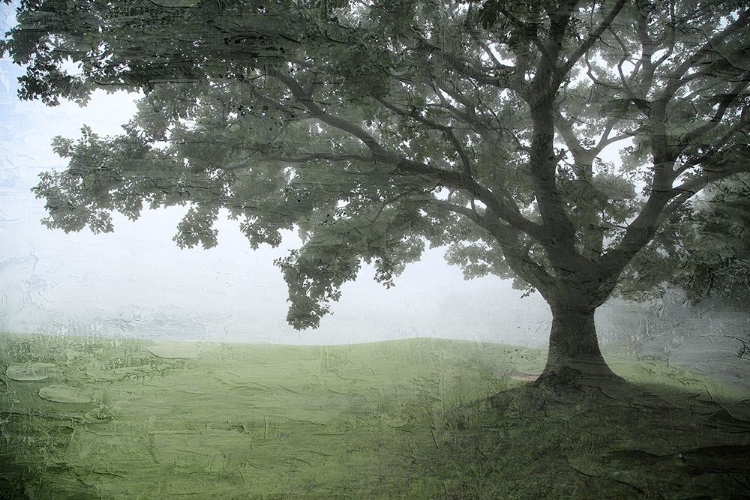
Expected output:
(105, 418)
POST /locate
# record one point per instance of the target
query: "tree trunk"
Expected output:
(573, 345)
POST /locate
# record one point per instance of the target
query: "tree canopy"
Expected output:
(376, 126)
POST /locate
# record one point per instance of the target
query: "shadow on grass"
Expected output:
(29, 474)
(621, 441)
(13, 477)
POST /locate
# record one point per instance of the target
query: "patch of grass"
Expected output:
(403, 419)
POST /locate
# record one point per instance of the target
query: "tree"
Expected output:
(374, 127)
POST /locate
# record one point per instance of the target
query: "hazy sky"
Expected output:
(136, 281)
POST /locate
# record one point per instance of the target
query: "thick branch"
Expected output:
(715, 148)
(503, 77)
(560, 232)
(515, 255)
(446, 130)
(499, 208)
(659, 206)
(316, 112)
(697, 183)
(306, 158)
(581, 155)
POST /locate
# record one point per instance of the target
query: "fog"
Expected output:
(137, 282)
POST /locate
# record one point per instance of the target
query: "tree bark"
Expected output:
(574, 351)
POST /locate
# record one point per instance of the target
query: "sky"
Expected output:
(137, 282)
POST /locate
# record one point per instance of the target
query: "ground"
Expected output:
(422, 418)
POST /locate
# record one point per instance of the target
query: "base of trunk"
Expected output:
(577, 373)
(574, 356)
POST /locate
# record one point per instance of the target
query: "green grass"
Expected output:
(403, 419)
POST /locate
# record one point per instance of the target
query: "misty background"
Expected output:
(137, 282)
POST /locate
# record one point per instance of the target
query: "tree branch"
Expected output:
(688, 138)
(515, 255)
(321, 157)
(581, 156)
(499, 207)
(697, 183)
(593, 37)
(715, 148)
(676, 78)
(660, 205)
(502, 79)
(446, 130)
(316, 112)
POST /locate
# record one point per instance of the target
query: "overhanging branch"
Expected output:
(593, 37)
(498, 207)
(676, 78)
(724, 103)
(695, 184)
(515, 254)
(446, 130)
(315, 111)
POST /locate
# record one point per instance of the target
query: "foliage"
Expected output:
(374, 127)
(719, 243)
(703, 250)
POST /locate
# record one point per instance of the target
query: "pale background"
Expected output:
(137, 282)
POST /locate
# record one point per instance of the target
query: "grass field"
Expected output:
(101, 418)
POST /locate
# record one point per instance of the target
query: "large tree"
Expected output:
(376, 126)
